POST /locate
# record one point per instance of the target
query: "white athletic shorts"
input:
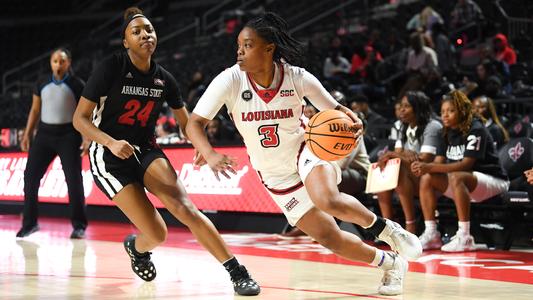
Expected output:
(487, 187)
(294, 201)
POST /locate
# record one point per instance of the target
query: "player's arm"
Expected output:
(322, 100)
(182, 117)
(82, 123)
(33, 117)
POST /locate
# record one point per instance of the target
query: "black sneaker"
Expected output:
(243, 284)
(78, 233)
(25, 231)
(140, 264)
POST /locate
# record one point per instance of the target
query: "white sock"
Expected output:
(464, 228)
(383, 260)
(431, 226)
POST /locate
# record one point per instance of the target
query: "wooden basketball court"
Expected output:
(49, 265)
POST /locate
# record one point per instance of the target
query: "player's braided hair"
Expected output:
(464, 110)
(422, 110)
(273, 29)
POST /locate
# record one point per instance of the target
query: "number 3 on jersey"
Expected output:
(131, 115)
(270, 135)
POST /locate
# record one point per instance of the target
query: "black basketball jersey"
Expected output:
(129, 101)
(478, 144)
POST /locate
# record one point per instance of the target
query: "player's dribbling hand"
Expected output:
(221, 163)
(357, 127)
(121, 149)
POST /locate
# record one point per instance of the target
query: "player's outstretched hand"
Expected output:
(121, 149)
(198, 159)
(221, 163)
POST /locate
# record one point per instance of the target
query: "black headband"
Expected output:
(128, 20)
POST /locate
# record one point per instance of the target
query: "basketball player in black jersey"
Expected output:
(54, 101)
(126, 92)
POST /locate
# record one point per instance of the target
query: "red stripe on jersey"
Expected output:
(268, 94)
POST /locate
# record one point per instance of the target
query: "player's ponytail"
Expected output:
(273, 29)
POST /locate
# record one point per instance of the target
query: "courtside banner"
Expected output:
(242, 192)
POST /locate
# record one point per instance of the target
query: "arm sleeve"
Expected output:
(216, 95)
(431, 138)
(316, 93)
(101, 79)
(173, 97)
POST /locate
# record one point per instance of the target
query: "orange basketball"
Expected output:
(328, 136)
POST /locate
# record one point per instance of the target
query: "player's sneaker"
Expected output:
(430, 239)
(459, 243)
(392, 281)
(401, 241)
(140, 264)
(243, 284)
(25, 231)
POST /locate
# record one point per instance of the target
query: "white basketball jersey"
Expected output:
(272, 126)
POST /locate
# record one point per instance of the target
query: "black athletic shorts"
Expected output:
(111, 174)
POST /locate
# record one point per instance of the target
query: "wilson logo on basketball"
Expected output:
(339, 127)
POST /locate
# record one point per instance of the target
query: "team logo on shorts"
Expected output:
(246, 95)
(291, 204)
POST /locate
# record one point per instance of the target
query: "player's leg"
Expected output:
(69, 153)
(385, 204)
(407, 188)
(323, 229)
(134, 203)
(429, 185)
(160, 179)
(39, 158)
(321, 185)
(461, 183)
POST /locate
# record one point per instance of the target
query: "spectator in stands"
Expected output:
(484, 106)
(466, 169)
(478, 86)
(54, 101)
(465, 12)
(218, 134)
(376, 122)
(336, 67)
(502, 51)
(421, 60)
(364, 64)
(195, 89)
(529, 176)
(166, 131)
(424, 20)
(419, 137)
(397, 125)
(443, 48)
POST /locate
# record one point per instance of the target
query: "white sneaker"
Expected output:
(430, 239)
(392, 281)
(401, 241)
(460, 242)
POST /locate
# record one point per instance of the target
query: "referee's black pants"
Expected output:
(51, 141)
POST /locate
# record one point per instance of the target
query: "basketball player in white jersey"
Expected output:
(264, 94)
